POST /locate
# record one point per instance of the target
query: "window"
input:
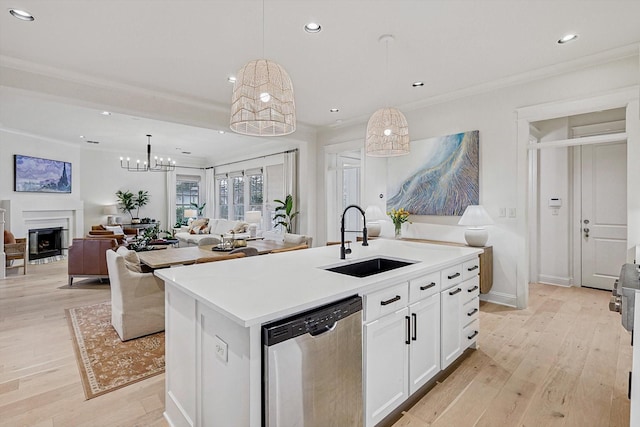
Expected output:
(240, 192)
(223, 197)
(187, 192)
(238, 197)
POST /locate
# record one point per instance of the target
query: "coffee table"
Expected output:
(189, 255)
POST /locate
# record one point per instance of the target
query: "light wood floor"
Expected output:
(562, 362)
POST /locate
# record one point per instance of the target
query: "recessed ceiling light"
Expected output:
(231, 79)
(568, 38)
(105, 113)
(334, 110)
(221, 132)
(21, 14)
(417, 84)
(312, 27)
(82, 136)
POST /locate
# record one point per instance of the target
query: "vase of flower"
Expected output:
(398, 217)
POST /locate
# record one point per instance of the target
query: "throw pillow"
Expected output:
(198, 223)
(115, 228)
(242, 227)
(131, 259)
(9, 237)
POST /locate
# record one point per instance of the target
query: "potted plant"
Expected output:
(284, 213)
(129, 202)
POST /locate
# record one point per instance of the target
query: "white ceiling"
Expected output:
(183, 51)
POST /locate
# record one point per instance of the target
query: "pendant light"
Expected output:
(158, 165)
(262, 103)
(387, 129)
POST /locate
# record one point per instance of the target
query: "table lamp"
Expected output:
(374, 216)
(110, 211)
(475, 217)
(254, 218)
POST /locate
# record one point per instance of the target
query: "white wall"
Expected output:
(494, 115)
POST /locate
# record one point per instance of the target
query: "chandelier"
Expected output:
(159, 164)
(262, 103)
(387, 129)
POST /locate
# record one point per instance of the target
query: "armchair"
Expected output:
(17, 251)
(137, 299)
(87, 257)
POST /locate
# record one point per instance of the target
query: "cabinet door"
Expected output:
(424, 351)
(386, 364)
(451, 325)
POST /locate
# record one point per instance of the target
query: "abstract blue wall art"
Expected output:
(439, 177)
(33, 174)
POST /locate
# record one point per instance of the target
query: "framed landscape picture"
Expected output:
(33, 174)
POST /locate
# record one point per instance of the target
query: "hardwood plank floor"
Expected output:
(563, 361)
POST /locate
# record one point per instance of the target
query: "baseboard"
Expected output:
(554, 280)
(500, 298)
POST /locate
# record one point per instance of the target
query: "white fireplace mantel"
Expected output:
(41, 212)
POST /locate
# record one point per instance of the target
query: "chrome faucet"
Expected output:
(344, 251)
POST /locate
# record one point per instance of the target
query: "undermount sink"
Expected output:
(369, 267)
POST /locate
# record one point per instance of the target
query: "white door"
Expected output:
(604, 213)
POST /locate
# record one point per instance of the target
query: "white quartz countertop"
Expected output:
(259, 289)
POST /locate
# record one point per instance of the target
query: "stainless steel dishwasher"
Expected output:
(312, 367)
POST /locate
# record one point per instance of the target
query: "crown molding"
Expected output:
(628, 51)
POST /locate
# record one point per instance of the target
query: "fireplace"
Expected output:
(45, 242)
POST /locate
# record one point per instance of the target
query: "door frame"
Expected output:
(623, 98)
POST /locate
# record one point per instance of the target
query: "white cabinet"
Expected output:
(459, 310)
(402, 348)
(424, 351)
(386, 364)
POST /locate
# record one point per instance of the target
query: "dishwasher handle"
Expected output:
(324, 329)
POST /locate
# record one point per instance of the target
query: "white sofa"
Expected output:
(137, 299)
(214, 228)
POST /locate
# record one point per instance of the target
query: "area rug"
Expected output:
(105, 362)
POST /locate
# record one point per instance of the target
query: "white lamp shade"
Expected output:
(373, 212)
(190, 213)
(253, 217)
(475, 216)
(110, 210)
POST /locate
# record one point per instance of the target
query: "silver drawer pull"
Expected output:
(453, 276)
(475, 267)
(429, 286)
(389, 301)
(472, 289)
(472, 312)
(473, 335)
(455, 292)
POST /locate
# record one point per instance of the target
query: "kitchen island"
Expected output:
(214, 314)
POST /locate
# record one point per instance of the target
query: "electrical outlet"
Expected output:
(512, 212)
(502, 213)
(221, 349)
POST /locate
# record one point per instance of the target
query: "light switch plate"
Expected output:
(221, 349)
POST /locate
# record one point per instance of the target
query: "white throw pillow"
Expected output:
(115, 228)
(296, 239)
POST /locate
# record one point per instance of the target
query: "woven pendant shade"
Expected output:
(387, 134)
(262, 102)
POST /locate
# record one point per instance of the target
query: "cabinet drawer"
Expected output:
(470, 334)
(470, 269)
(470, 289)
(470, 311)
(385, 301)
(424, 287)
(451, 276)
